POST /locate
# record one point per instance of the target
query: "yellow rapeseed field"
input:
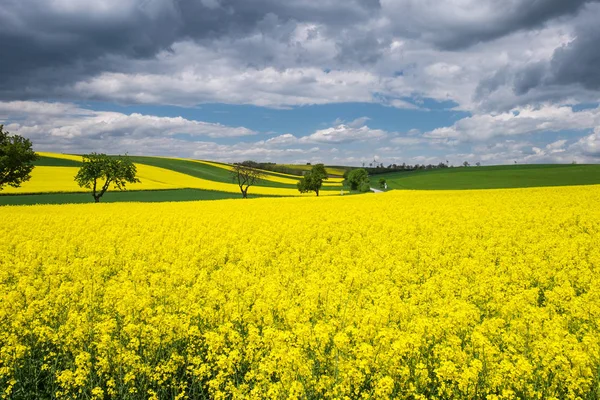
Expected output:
(416, 295)
(269, 175)
(46, 179)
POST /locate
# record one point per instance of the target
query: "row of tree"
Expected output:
(375, 168)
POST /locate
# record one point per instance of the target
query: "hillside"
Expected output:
(162, 179)
(494, 177)
(177, 179)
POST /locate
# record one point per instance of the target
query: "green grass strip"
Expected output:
(125, 196)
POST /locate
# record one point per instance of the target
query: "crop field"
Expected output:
(339, 171)
(494, 177)
(148, 196)
(408, 294)
(54, 174)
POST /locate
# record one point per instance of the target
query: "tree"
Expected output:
(246, 174)
(356, 177)
(466, 164)
(382, 183)
(16, 159)
(364, 187)
(313, 179)
(100, 171)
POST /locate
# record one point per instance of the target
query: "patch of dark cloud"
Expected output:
(529, 77)
(361, 48)
(46, 44)
(579, 61)
(453, 26)
(491, 84)
(571, 74)
(514, 16)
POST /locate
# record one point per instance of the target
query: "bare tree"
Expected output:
(246, 174)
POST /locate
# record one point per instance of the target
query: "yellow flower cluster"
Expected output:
(416, 295)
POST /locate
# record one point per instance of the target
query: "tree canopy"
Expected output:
(358, 179)
(100, 171)
(16, 159)
(245, 174)
(313, 179)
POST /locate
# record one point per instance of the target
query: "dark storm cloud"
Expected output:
(506, 17)
(571, 73)
(47, 44)
(44, 44)
(579, 61)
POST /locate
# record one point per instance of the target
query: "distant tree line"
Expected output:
(285, 169)
(375, 169)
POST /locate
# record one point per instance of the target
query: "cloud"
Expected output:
(282, 140)
(61, 126)
(577, 62)
(518, 122)
(71, 41)
(568, 75)
(455, 25)
(588, 146)
(354, 131)
(267, 87)
(277, 54)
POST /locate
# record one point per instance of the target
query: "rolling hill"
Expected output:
(162, 179)
(177, 179)
(494, 177)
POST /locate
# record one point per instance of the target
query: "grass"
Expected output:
(205, 171)
(44, 161)
(494, 177)
(198, 170)
(331, 170)
(125, 196)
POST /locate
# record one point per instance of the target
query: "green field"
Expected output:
(336, 171)
(494, 177)
(125, 196)
(44, 161)
(208, 172)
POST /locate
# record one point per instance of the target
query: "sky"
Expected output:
(344, 82)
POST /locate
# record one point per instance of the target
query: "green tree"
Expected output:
(246, 174)
(16, 159)
(382, 183)
(364, 187)
(313, 179)
(100, 171)
(356, 177)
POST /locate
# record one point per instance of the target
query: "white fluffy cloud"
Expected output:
(342, 133)
(491, 139)
(520, 121)
(63, 120)
(588, 146)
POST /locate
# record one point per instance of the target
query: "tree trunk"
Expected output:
(317, 192)
(245, 193)
(96, 199)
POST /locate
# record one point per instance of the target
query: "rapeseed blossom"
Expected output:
(435, 294)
